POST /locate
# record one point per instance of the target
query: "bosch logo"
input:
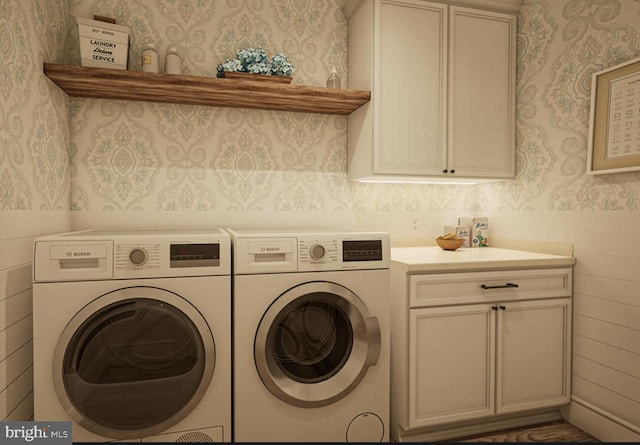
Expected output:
(270, 249)
(78, 254)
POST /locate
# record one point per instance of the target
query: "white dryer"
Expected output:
(132, 334)
(311, 336)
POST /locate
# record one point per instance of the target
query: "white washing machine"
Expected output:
(311, 336)
(132, 334)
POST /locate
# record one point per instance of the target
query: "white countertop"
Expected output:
(434, 259)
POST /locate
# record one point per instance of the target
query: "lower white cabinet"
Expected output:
(451, 364)
(472, 361)
(502, 348)
(533, 354)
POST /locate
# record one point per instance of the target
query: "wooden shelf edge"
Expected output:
(106, 83)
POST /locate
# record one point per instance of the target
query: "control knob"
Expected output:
(317, 251)
(138, 256)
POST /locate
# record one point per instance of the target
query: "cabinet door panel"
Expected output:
(533, 354)
(482, 93)
(411, 102)
(451, 363)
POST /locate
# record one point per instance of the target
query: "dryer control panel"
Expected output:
(96, 254)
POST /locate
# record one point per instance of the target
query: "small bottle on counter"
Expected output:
(172, 61)
(150, 59)
(334, 80)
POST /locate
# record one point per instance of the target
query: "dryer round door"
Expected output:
(133, 362)
(315, 343)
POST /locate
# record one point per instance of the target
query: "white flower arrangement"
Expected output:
(255, 60)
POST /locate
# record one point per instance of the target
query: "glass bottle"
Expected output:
(334, 80)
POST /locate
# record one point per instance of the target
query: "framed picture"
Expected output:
(614, 127)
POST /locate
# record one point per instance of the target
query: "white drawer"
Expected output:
(486, 287)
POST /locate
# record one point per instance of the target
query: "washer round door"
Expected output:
(133, 362)
(315, 343)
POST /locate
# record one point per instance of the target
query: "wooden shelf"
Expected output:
(155, 87)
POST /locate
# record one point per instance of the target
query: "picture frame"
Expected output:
(614, 120)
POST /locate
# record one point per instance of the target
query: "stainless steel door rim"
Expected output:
(346, 312)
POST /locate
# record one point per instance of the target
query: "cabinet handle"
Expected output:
(452, 171)
(495, 308)
(501, 286)
(445, 170)
(504, 308)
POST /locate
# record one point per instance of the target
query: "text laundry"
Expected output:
(103, 43)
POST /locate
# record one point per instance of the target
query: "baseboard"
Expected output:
(459, 430)
(600, 424)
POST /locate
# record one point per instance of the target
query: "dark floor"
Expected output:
(559, 431)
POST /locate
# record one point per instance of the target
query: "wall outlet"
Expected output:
(413, 223)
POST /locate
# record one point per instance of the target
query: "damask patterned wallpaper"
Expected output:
(139, 156)
(34, 128)
(158, 157)
(560, 45)
(163, 157)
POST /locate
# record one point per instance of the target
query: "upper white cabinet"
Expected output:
(481, 126)
(443, 92)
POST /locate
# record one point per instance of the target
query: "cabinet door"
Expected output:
(411, 88)
(481, 93)
(533, 354)
(451, 364)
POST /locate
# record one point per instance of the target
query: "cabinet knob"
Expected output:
(452, 171)
(495, 308)
(445, 170)
(504, 308)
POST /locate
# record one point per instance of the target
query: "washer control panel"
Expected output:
(279, 251)
(330, 252)
(318, 251)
